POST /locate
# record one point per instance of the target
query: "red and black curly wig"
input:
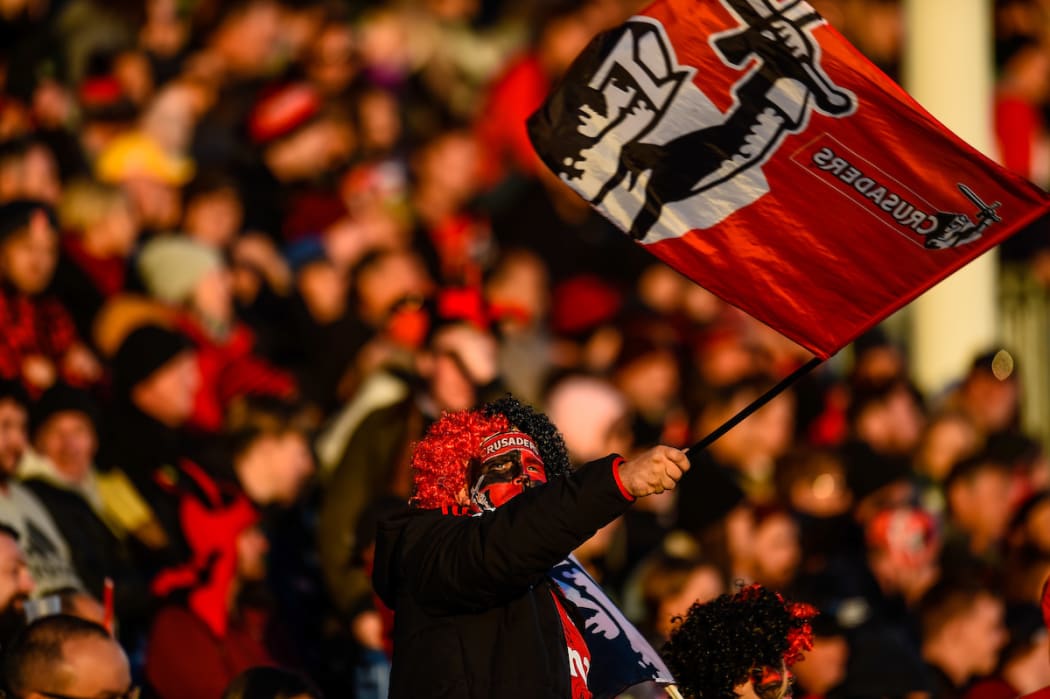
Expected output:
(441, 459)
(717, 645)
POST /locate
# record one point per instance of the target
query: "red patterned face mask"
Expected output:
(509, 464)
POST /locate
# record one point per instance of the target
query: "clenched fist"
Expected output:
(653, 471)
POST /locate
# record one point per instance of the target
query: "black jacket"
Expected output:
(474, 615)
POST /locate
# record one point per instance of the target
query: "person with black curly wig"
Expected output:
(495, 506)
(739, 646)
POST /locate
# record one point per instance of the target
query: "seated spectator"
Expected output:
(877, 360)
(903, 546)
(271, 683)
(671, 582)
(212, 210)
(1030, 524)
(962, 634)
(270, 453)
(99, 233)
(592, 415)
(331, 62)
(298, 142)
(648, 374)
(193, 277)
(47, 552)
(195, 650)
(222, 577)
(65, 656)
(155, 380)
(990, 398)
(149, 175)
(1027, 461)
(16, 584)
(40, 343)
(518, 299)
(980, 506)
(775, 549)
(887, 416)
(869, 588)
(61, 473)
(28, 171)
(812, 484)
(751, 448)
(1023, 665)
(389, 291)
(446, 169)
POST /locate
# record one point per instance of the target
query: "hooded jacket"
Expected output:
(474, 612)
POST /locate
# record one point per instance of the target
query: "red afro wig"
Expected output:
(441, 459)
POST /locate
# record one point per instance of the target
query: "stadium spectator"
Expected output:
(40, 343)
(62, 655)
(47, 552)
(962, 634)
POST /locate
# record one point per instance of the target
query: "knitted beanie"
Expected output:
(145, 350)
(172, 266)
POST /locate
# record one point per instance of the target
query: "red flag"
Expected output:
(752, 148)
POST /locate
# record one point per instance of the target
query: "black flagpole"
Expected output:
(697, 449)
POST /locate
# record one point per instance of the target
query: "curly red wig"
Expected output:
(718, 644)
(441, 459)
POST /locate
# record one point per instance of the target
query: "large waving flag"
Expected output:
(752, 148)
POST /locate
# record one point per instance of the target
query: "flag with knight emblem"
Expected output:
(748, 145)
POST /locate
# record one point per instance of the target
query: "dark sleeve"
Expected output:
(478, 562)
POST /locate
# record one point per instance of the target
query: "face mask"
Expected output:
(509, 464)
(772, 683)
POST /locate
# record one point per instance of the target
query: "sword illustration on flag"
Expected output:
(749, 146)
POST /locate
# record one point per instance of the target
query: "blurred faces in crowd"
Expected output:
(69, 441)
(962, 632)
(16, 584)
(13, 431)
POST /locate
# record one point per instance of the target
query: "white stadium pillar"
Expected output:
(949, 68)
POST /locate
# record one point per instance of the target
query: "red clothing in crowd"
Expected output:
(1043, 693)
(106, 273)
(186, 661)
(992, 688)
(1018, 128)
(229, 368)
(501, 130)
(34, 326)
(195, 649)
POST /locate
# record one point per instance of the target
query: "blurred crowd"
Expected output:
(251, 249)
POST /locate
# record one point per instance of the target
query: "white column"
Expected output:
(948, 68)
